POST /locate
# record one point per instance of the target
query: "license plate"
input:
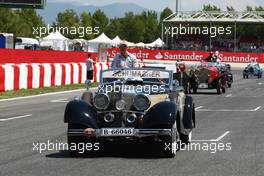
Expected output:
(203, 86)
(118, 132)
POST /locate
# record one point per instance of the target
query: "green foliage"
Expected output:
(20, 22)
(144, 27)
(86, 21)
(99, 19)
(68, 18)
(209, 7)
(230, 9)
(165, 13)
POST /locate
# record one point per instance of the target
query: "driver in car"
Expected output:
(124, 59)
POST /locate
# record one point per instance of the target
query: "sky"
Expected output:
(185, 5)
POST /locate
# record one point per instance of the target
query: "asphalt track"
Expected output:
(236, 117)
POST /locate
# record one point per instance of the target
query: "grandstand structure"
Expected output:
(36, 4)
(233, 42)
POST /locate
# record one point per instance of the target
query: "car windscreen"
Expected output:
(206, 64)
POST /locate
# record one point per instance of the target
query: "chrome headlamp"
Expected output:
(101, 101)
(109, 118)
(120, 105)
(141, 102)
(131, 118)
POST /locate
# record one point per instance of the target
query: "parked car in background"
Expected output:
(252, 70)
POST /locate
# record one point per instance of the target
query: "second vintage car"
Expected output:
(141, 104)
(211, 75)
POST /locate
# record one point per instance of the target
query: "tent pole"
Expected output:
(235, 45)
(162, 31)
(210, 41)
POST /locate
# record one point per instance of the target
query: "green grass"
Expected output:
(28, 92)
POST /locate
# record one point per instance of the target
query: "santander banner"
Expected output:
(171, 55)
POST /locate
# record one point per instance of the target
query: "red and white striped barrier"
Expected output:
(28, 76)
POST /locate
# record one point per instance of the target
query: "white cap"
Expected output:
(123, 42)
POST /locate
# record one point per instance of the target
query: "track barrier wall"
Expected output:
(26, 69)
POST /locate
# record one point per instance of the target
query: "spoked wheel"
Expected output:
(195, 90)
(223, 89)
(218, 88)
(186, 139)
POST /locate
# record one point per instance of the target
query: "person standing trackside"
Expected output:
(90, 69)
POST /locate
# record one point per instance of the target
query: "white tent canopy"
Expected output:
(102, 39)
(156, 43)
(55, 36)
(79, 41)
(141, 44)
(130, 44)
(59, 42)
(116, 41)
(99, 42)
(46, 44)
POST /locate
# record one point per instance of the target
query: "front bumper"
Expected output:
(138, 133)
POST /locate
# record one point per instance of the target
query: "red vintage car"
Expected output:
(210, 75)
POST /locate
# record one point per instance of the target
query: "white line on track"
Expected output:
(229, 110)
(222, 136)
(200, 107)
(46, 94)
(213, 140)
(258, 108)
(229, 95)
(60, 101)
(17, 117)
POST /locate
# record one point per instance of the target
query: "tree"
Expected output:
(151, 26)
(99, 19)
(209, 7)
(29, 19)
(165, 13)
(86, 22)
(114, 28)
(259, 8)
(230, 9)
(249, 8)
(68, 21)
(132, 27)
(20, 22)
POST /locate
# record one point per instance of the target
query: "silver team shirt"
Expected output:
(120, 62)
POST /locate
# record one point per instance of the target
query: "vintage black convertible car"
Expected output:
(133, 104)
